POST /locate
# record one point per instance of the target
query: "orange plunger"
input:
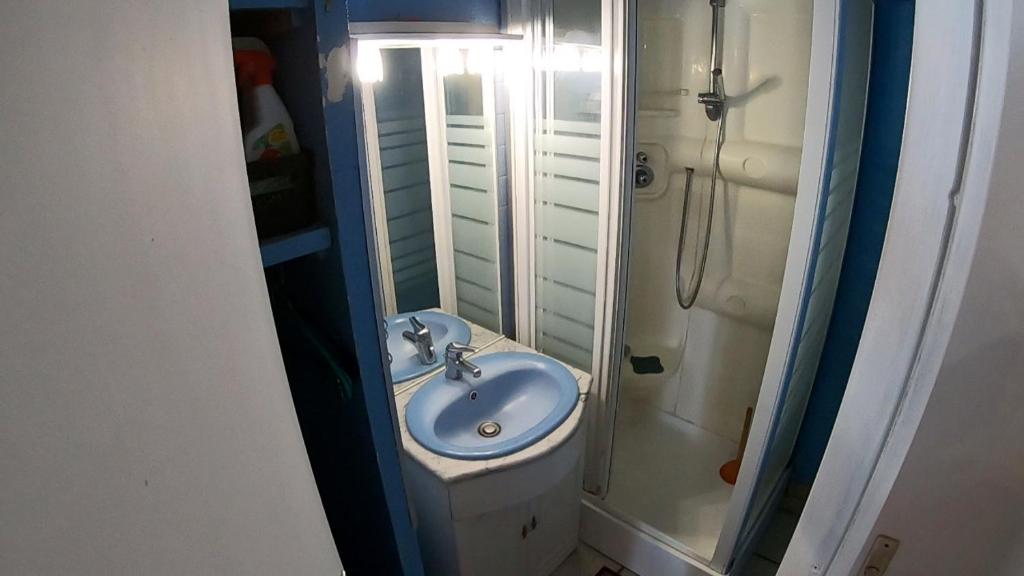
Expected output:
(731, 469)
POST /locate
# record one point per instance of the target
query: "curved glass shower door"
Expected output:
(739, 211)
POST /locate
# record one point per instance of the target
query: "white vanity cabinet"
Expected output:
(517, 515)
(553, 529)
(495, 542)
(527, 538)
(519, 521)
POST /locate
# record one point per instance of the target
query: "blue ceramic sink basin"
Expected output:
(444, 329)
(518, 399)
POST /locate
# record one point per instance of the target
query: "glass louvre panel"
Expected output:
(469, 142)
(566, 181)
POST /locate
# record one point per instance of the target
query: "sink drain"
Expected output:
(488, 429)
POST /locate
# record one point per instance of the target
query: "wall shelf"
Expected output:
(267, 4)
(291, 246)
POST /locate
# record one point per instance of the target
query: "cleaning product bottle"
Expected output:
(268, 131)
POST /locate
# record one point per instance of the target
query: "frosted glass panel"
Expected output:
(566, 184)
(581, 18)
(469, 144)
(840, 182)
(565, 215)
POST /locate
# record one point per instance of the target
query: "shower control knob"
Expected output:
(644, 176)
(641, 157)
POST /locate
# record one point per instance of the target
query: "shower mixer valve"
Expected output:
(643, 175)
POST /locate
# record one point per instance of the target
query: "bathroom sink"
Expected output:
(444, 329)
(519, 399)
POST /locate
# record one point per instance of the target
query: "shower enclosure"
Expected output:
(690, 167)
(714, 232)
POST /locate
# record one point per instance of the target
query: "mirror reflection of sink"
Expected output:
(519, 399)
(444, 329)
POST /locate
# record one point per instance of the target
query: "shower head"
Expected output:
(714, 99)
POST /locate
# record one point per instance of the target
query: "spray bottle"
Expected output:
(268, 132)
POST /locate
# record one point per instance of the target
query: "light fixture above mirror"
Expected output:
(461, 46)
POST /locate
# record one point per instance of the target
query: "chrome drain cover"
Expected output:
(488, 429)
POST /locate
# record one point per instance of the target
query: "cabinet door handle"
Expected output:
(533, 523)
(524, 531)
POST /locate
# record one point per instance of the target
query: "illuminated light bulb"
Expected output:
(512, 65)
(499, 63)
(370, 65)
(591, 60)
(449, 61)
(480, 60)
(565, 58)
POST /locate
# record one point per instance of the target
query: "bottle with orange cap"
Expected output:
(268, 132)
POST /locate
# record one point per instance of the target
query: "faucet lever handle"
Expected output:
(455, 349)
(416, 324)
(420, 337)
(455, 363)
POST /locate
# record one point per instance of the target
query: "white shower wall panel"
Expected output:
(721, 372)
(714, 354)
(778, 53)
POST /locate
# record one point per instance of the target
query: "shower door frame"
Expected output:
(820, 128)
(619, 21)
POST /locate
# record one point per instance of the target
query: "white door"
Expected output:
(146, 424)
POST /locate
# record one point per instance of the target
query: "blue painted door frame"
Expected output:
(326, 306)
(372, 527)
(357, 263)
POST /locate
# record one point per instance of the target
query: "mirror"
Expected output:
(434, 119)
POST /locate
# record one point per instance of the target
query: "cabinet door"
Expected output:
(494, 544)
(553, 524)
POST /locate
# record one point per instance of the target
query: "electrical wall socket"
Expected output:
(880, 555)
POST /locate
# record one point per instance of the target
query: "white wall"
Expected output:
(145, 421)
(958, 503)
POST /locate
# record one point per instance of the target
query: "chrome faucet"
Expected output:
(455, 364)
(421, 339)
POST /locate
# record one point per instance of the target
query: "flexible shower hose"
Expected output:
(686, 298)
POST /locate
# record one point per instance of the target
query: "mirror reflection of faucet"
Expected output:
(420, 337)
(384, 325)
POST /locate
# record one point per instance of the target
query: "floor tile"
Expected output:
(585, 561)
